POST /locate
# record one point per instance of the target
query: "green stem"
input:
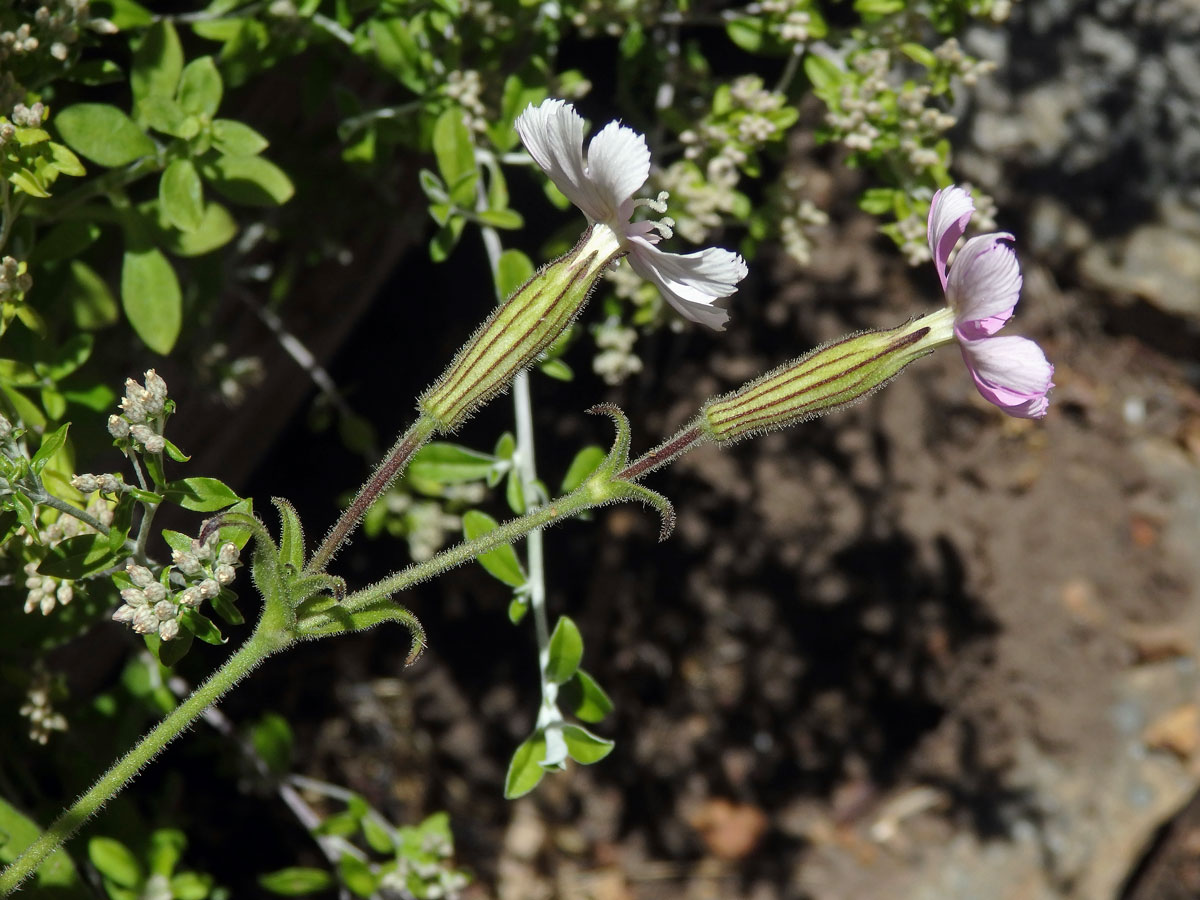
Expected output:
(385, 473)
(267, 639)
(45, 498)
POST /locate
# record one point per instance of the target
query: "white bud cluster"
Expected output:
(56, 26)
(45, 592)
(970, 70)
(616, 360)
(914, 242)
(798, 217)
(465, 87)
(150, 607)
(105, 484)
(38, 708)
(142, 414)
(15, 282)
(28, 116)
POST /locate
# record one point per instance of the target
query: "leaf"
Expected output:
(272, 740)
(201, 494)
(201, 626)
(446, 463)
(455, 152)
(157, 62)
(103, 134)
(223, 606)
(377, 836)
(566, 651)
(94, 72)
(56, 877)
(586, 462)
(500, 218)
(191, 886)
(822, 73)
(517, 608)
(748, 33)
(64, 160)
(446, 238)
(115, 861)
(525, 769)
(356, 875)
(79, 556)
(200, 87)
(165, 115)
(585, 748)
(501, 562)
(291, 534)
(51, 444)
(168, 653)
(397, 51)
(91, 302)
(556, 369)
(151, 298)
(514, 492)
(215, 230)
(250, 180)
(586, 700)
(513, 269)
(233, 138)
(181, 195)
(64, 241)
(166, 849)
(296, 881)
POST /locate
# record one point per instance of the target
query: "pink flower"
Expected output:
(982, 289)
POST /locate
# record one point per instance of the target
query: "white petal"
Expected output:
(690, 282)
(553, 135)
(618, 163)
(949, 214)
(1011, 372)
(984, 285)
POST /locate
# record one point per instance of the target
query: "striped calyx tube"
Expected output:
(519, 329)
(828, 378)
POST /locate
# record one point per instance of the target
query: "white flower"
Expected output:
(602, 183)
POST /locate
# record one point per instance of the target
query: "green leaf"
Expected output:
(455, 152)
(586, 462)
(68, 357)
(500, 218)
(200, 87)
(877, 201)
(748, 33)
(191, 886)
(201, 494)
(586, 700)
(566, 652)
(51, 444)
(151, 297)
(878, 7)
(115, 861)
(356, 875)
(216, 229)
(822, 73)
(224, 607)
(517, 608)
(166, 849)
(272, 740)
(79, 556)
(87, 295)
(94, 72)
(201, 626)
(444, 241)
(446, 463)
(291, 534)
(377, 836)
(919, 53)
(157, 62)
(233, 138)
(296, 881)
(64, 160)
(64, 241)
(56, 877)
(525, 769)
(583, 746)
(125, 14)
(250, 180)
(165, 115)
(103, 134)
(556, 369)
(500, 563)
(168, 653)
(513, 270)
(514, 492)
(398, 52)
(181, 195)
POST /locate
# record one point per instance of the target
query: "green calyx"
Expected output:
(826, 379)
(518, 330)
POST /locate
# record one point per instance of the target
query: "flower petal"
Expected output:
(1011, 372)
(984, 285)
(618, 163)
(949, 214)
(553, 135)
(690, 282)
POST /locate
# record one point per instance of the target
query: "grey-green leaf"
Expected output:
(525, 769)
(566, 651)
(585, 747)
(103, 134)
(502, 562)
(586, 700)
(151, 298)
(182, 195)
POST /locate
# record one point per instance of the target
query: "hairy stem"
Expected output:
(385, 473)
(265, 641)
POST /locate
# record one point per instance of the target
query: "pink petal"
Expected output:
(690, 282)
(984, 285)
(553, 135)
(1011, 372)
(618, 163)
(949, 214)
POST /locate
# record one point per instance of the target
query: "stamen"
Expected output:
(664, 227)
(658, 204)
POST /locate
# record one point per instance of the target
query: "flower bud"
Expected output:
(118, 427)
(124, 614)
(139, 575)
(109, 484)
(826, 379)
(186, 562)
(155, 592)
(190, 597)
(228, 554)
(225, 574)
(156, 392)
(85, 484)
(169, 629)
(209, 588)
(144, 620)
(518, 330)
(165, 610)
(134, 597)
